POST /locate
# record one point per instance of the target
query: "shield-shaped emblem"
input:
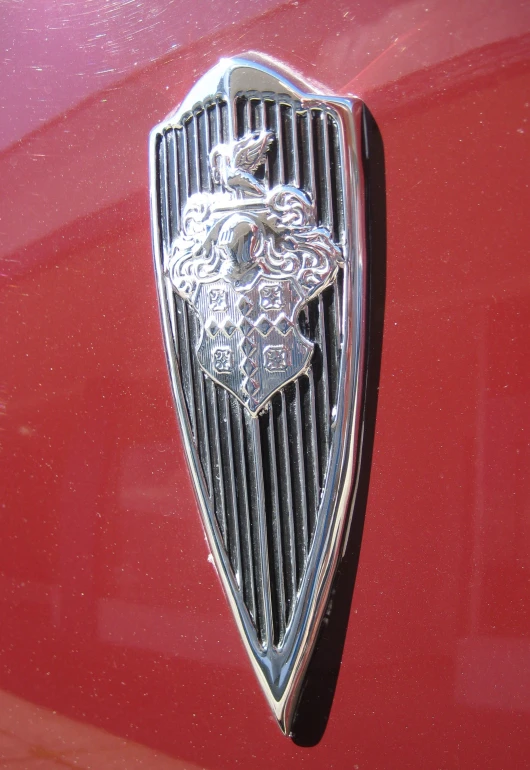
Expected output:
(250, 342)
(258, 242)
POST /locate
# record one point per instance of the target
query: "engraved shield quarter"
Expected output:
(258, 233)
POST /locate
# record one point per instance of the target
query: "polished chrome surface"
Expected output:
(259, 251)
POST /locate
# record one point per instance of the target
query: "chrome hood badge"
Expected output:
(258, 239)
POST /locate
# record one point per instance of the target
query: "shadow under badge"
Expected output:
(317, 694)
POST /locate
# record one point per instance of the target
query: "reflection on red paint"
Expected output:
(111, 613)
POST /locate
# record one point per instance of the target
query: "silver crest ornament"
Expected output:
(247, 258)
(257, 213)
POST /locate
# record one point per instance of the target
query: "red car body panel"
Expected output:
(111, 614)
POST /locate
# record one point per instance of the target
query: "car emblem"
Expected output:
(258, 232)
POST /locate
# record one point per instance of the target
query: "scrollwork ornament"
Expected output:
(243, 242)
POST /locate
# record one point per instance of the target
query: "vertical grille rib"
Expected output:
(264, 476)
(241, 471)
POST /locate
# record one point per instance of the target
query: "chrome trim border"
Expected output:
(229, 78)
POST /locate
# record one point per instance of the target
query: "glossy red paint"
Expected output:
(111, 613)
